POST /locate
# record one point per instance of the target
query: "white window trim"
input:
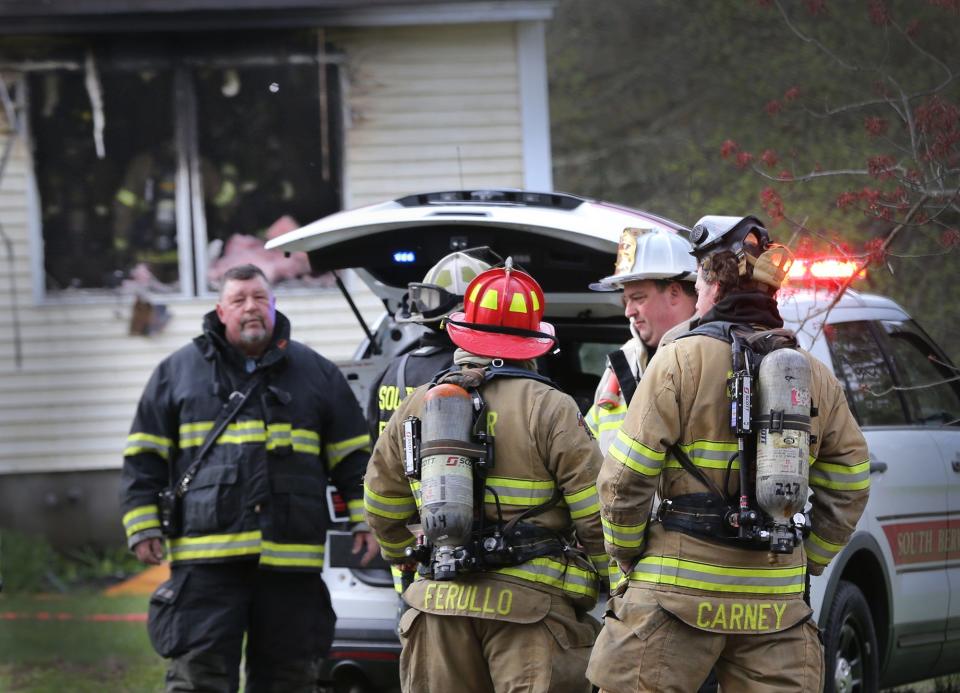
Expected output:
(534, 106)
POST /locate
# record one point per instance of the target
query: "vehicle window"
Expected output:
(593, 357)
(859, 364)
(928, 383)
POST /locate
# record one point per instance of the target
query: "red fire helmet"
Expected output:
(501, 317)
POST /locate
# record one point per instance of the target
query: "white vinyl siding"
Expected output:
(430, 108)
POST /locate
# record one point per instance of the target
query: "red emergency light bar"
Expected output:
(810, 271)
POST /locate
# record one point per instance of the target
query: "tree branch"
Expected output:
(888, 239)
(809, 39)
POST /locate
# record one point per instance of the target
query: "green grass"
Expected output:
(76, 655)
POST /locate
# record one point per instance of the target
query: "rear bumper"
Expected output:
(376, 662)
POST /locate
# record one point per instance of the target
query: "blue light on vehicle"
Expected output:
(403, 257)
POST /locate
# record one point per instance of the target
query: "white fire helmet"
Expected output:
(441, 291)
(650, 254)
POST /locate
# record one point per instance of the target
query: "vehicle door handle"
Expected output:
(878, 467)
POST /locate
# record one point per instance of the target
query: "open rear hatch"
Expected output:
(565, 242)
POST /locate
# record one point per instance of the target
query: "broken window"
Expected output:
(160, 168)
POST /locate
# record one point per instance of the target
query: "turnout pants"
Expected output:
(199, 617)
(644, 648)
(444, 653)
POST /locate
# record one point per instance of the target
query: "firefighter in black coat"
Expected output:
(247, 542)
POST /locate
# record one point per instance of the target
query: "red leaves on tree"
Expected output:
(785, 175)
(879, 13)
(875, 250)
(773, 107)
(913, 28)
(938, 121)
(816, 7)
(950, 238)
(791, 94)
(880, 166)
(847, 198)
(766, 4)
(875, 125)
(873, 202)
(772, 204)
(769, 158)
(729, 148)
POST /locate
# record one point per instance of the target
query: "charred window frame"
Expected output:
(250, 141)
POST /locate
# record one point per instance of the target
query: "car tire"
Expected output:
(851, 654)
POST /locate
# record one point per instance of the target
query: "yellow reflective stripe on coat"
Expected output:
(127, 198)
(214, 546)
(608, 419)
(394, 508)
(338, 451)
(714, 578)
(583, 503)
(636, 456)
(277, 435)
(280, 435)
(147, 442)
(615, 575)
(819, 550)
(591, 421)
(395, 550)
(139, 519)
(601, 562)
(549, 571)
(355, 509)
(708, 454)
(301, 439)
(193, 434)
(291, 555)
(839, 477)
(306, 441)
(415, 490)
(624, 536)
(522, 492)
(397, 576)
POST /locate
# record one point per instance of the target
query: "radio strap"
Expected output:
(227, 413)
(625, 376)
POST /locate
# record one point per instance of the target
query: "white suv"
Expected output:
(884, 604)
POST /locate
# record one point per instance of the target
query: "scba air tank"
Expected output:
(783, 444)
(446, 477)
